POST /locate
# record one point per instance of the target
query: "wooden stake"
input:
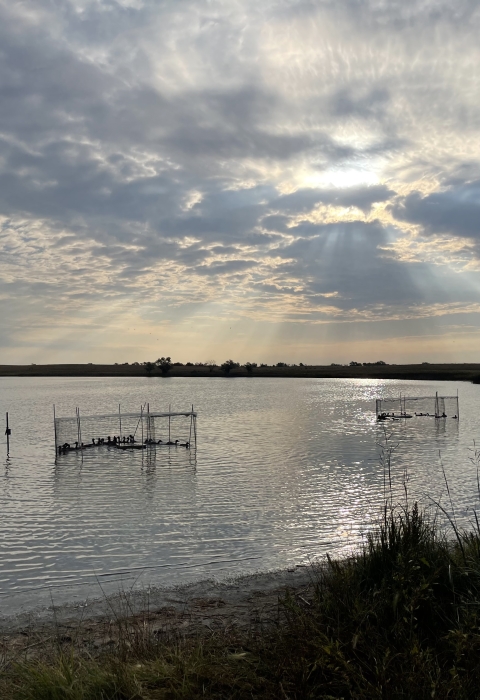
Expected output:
(55, 430)
(195, 428)
(8, 432)
(80, 432)
(78, 429)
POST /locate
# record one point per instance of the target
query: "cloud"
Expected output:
(454, 211)
(288, 160)
(225, 267)
(304, 200)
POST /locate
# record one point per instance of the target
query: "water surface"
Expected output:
(285, 471)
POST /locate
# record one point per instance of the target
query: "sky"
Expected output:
(283, 180)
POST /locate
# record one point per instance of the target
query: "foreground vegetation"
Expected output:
(399, 620)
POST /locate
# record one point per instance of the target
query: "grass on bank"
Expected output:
(398, 620)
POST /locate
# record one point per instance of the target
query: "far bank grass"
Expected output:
(399, 620)
(430, 372)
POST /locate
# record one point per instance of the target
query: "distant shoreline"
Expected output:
(434, 372)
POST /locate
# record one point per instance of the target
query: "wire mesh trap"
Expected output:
(418, 406)
(126, 431)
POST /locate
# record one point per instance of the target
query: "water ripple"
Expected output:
(285, 470)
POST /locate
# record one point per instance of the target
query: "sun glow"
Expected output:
(341, 178)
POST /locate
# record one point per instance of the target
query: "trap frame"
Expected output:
(436, 406)
(144, 428)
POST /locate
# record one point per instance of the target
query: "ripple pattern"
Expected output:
(285, 471)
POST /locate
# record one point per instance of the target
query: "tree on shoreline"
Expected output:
(211, 364)
(165, 364)
(250, 366)
(229, 365)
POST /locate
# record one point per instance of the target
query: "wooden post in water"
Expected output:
(78, 426)
(8, 432)
(55, 430)
(195, 428)
(141, 418)
(79, 431)
(169, 419)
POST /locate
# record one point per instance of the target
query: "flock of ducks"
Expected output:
(118, 441)
(392, 416)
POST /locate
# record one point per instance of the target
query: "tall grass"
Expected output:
(400, 620)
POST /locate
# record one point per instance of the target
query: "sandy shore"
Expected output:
(203, 607)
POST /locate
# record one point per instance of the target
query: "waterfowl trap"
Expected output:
(418, 406)
(126, 431)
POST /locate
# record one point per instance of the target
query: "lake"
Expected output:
(285, 471)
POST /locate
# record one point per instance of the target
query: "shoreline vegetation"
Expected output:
(400, 618)
(424, 371)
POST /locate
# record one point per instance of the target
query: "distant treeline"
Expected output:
(166, 364)
(165, 367)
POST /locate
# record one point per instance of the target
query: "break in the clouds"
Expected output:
(204, 179)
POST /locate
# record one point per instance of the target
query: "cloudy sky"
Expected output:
(284, 180)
